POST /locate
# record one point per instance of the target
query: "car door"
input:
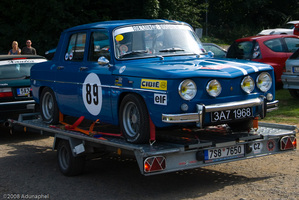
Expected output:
(69, 73)
(97, 80)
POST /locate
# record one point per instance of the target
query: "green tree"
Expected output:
(232, 19)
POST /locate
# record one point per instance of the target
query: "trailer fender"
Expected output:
(76, 145)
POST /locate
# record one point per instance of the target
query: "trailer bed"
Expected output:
(178, 149)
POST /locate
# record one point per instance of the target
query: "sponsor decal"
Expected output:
(146, 27)
(66, 56)
(154, 84)
(160, 99)
(71, 56)
(122, 69)
(118, 81)
(92, 94)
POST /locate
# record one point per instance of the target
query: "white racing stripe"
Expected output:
(252, 66)
(235, 67)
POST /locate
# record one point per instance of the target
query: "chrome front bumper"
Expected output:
(262, 108)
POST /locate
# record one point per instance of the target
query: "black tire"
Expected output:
(241, 126)
(294, 93)
(48, 107)
(68, 164)
(134, 119)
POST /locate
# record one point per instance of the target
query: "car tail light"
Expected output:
(256, 52)
(154, 164)
(288, 142)
(5, 92)
(20, 58)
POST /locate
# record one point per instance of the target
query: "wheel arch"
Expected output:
(121, 97)
(73, 142)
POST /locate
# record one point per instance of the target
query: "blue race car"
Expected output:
(140, 74)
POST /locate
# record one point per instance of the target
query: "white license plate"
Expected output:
(296, 69)
(224, 153)
(23, 92)
(228, 115)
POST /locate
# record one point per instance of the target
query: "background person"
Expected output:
(28, 50)
(15, 49)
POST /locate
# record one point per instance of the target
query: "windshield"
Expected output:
(155, 40)
(16, 69)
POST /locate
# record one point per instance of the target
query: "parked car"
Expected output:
(142, 75)
(272, 49)
(290, 77)
(218, 51)
(288, 29)
(296, 29)
(15, 91)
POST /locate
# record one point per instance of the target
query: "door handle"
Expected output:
(83, 68)
(60, 67)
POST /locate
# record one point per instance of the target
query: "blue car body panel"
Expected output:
(155, 79)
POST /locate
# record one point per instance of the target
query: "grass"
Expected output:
(288, 111)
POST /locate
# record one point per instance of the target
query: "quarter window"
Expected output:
(76, 47)
(292, 44)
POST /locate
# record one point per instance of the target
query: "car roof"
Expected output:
(11, 57)
(116, 23)
(293, 22)
(264, 37)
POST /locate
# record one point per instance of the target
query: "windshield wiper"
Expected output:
(173, 49)
(133, 53)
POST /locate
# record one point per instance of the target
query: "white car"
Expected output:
(289, 29)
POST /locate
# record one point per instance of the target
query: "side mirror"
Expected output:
(211, 54)
(103, 61)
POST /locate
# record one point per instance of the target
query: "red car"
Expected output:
(270, 49)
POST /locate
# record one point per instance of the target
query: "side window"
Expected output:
(274, 45)
(99, 46)
(292, 44)
(76, 47)
(241, 50)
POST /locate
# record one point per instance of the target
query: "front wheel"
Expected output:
(48, 107)
(134, 119)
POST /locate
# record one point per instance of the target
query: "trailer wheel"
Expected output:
(69, 165)
(134, 119)
(48, 107)
(241, 126)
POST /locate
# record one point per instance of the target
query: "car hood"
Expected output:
(276, 31)
(224, 68)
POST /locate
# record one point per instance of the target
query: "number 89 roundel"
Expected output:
(92, 94)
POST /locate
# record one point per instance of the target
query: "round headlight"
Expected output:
(187, 89)
(247, 84)
(264, 82)
(214, 88)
